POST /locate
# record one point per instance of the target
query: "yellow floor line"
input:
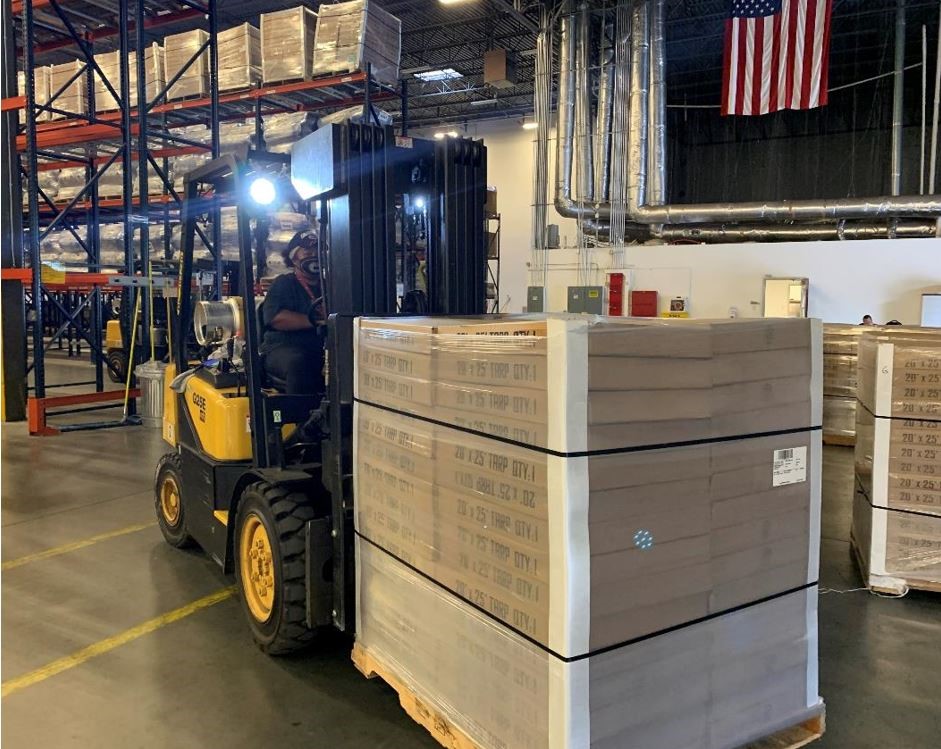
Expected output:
(74, 546)
(104, 646)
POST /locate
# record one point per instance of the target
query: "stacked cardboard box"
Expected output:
(353, 34)
(73, 98)
(287, 44)
(154, 66)
(179, 49)
(839, 382)
(239, 57)
(897, 508)
(559, 494)
(41, 92)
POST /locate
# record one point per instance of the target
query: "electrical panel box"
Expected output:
(644, 303)
(535, 299)
(586, 299)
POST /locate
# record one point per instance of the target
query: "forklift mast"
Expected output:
(402, 231)
(373, 187)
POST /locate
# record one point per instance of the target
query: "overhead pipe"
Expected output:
(898, 98)
(657, 132)
(933, 160)
(722, 234)
(603, 121)
(881, 207)
(716, 233)
(586, 177)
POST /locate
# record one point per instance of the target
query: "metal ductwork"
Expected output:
(648, 51)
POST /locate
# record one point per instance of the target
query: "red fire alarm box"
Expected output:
(616, 294)
(644, 304)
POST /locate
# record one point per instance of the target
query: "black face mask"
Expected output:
(310, 266)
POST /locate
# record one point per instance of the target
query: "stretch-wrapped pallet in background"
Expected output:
(239, 57)
(179, 49)
(840, 344)
(897, 508)
(560, 494)
(41, 92)
(287, 44)
(155, 75)
(73, 98)
(353, 34)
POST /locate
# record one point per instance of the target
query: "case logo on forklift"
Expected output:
(200, 402)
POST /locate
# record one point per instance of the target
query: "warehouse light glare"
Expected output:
(262, 191)
(530, 125)
(442, 74)
(420, 203)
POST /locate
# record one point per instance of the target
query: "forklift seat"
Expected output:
(267, 379)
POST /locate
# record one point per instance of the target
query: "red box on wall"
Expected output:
(644, 304)
(616, 294)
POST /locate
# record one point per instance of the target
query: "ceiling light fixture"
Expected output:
(441, 74)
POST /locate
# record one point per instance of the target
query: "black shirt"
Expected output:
(287, 293)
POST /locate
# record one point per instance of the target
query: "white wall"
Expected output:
(883, 278)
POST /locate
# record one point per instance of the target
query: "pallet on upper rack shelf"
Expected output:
(450, 736)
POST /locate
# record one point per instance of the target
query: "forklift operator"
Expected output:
(292, 346)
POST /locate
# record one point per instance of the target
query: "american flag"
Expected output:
(776, 55)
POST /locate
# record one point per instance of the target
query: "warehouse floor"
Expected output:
(114, 639)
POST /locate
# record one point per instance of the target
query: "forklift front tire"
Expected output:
(117, 372)
(270, 565)
(168, 501)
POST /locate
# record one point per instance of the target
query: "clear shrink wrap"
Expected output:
(71, 181)
(588, 488)
(73, 98)
(107, 62)
(897, 509)
(49, 183)
(355, 114)
(353, 34)
(287, 44)
(283, 130)
(730, 679)
(179, 49)
(839, 418)
(41, 92)
(239, 57)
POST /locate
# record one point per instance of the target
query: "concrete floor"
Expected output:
(199, 681)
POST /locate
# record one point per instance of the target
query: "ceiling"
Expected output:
(436, 36)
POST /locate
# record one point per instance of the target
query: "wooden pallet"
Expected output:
(912, 583)
(452, 737)
(839, 439)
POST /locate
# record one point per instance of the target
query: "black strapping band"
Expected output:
(599, 651)
(590, 453)
(896, 418)
(865, 494)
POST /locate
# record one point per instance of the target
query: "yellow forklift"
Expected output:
(260, 479)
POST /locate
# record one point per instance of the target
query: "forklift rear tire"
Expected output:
(117, 359)
(270, 565)
(168, 501)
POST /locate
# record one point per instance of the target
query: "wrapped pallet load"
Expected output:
(897, 508)
(287, 44)
(239, 57)
(561, 520)
(179, 49)
(353, 34)
(41, 92)
(70, 78)
(283, 130)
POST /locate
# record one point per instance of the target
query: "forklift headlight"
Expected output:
(262, 191)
